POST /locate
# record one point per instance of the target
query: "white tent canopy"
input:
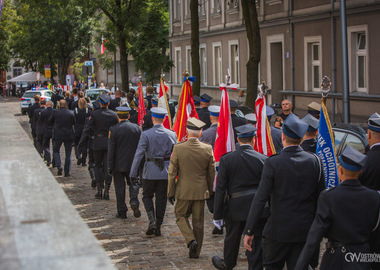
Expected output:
(27, 77)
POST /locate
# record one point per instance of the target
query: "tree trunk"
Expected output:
(195, 65)
(64, 68)
(254, 41)
(123, 62)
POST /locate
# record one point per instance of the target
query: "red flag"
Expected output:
(141, 108)
(263, 143)
(186, 109)
(225, 141)
(102, 48)
(163, 103)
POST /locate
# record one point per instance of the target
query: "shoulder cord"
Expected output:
(378, 218)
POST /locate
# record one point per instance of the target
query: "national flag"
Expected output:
(263, 142)
(102, 48)
(141, 108)
(1, 7)
(163, 103)
(225, 141)
(326, 148)
(186, 109)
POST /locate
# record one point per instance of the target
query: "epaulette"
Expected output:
(329, 189)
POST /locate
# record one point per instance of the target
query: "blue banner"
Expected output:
(326, 149)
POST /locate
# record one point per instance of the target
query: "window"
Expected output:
(361, 60)
(187, 9)
(231, 4)
(217, 60)
(215, 6)
(188, 59)
(234, 61)
(203, 63)
(177, 10)
(313, 63)
(177, 63)
(202, 8)
(17, 69)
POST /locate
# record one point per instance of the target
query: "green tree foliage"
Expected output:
(150, 44)
(51, 32)
(6, 26)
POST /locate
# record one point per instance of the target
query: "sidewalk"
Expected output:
(124, 240)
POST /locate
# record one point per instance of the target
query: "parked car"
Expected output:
(347, 134)
(93, 94)
(27, 98)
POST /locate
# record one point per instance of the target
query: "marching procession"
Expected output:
(266, 180)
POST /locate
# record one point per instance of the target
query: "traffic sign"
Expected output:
(47, 66)
(88, 63)
(47, 73)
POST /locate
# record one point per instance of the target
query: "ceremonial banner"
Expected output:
(263, 142)
(102, 48)
(163, 103)
(225, 141)
(186, 109)
(326, 149)
(141, 108)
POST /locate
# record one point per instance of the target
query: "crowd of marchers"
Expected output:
(278, 204)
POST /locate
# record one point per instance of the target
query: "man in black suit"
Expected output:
(122, 144)
(291, 181)
(56, 97)
(38, 126)
(116, 101)
(203, 113)
(236, 121)
(31, 110)
(239, 177)
(309, 141)
(63, 132)
(149, 96)
(47, 130)
(99, 124)
(347, 215)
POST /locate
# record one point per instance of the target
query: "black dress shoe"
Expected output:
(121, 216)
(79, 162)
(84, 164)
(219, 263)
(217, 231)
(93, 184)
(158, 231)
(193, 245)
(67, 175)
(59, 171)
(136, 211)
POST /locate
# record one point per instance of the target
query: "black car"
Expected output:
(347, 134)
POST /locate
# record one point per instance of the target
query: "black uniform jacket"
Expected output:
(370, 177)
(63, 120)
(204, 115)
(37, 120)
(114, 103)
(309, 145)
(80, 118)
(31, 110)
(99, 124)
(276, 138)
(292, 181)
(47, 126)
(236, 122)
(238, 171)
(122, 144)
(346, 214)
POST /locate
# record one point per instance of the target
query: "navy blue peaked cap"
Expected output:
(205, 98)
(351, 159)
(312, 122)
(104, 99)
(374, 122)
(246, 131)
(294, 127)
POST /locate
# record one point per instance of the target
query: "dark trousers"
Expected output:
(234, 231)
(119, 180)
(46, 149)
(57, 159)
(210, 204)
(159, 189)
(276, 254)
(80, 153)
(39, 143)
(101, 171)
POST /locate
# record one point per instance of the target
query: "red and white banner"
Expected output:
(186, 109)
(263, 142)
(67, 88)
(141, 108)
(163, 103)
(102, 48)
(225, 141)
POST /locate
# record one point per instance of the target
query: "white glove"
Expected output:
(218, 223)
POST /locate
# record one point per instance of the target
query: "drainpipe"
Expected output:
(346, 89)
(333, 58)
(292, 69)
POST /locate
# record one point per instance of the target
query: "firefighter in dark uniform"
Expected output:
(87, 140)
(197, 103)
(238, 178)
(292, 182)
(47, 130)
(203, 113)
(236, 120)
(309, 141)
(156, 144)
(122, 144)
(370, 176)
(346, 215)
(99, 123)
(39, 127)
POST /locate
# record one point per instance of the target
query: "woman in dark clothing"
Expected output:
(80, 114)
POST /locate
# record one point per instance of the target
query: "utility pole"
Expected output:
(346, 87)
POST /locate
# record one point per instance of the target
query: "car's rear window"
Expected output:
(31, 94)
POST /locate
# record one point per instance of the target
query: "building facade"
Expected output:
(300, 43)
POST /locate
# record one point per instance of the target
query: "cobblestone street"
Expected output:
(125, 240)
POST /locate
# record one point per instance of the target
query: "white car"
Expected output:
(27, 98)
(93, 94)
